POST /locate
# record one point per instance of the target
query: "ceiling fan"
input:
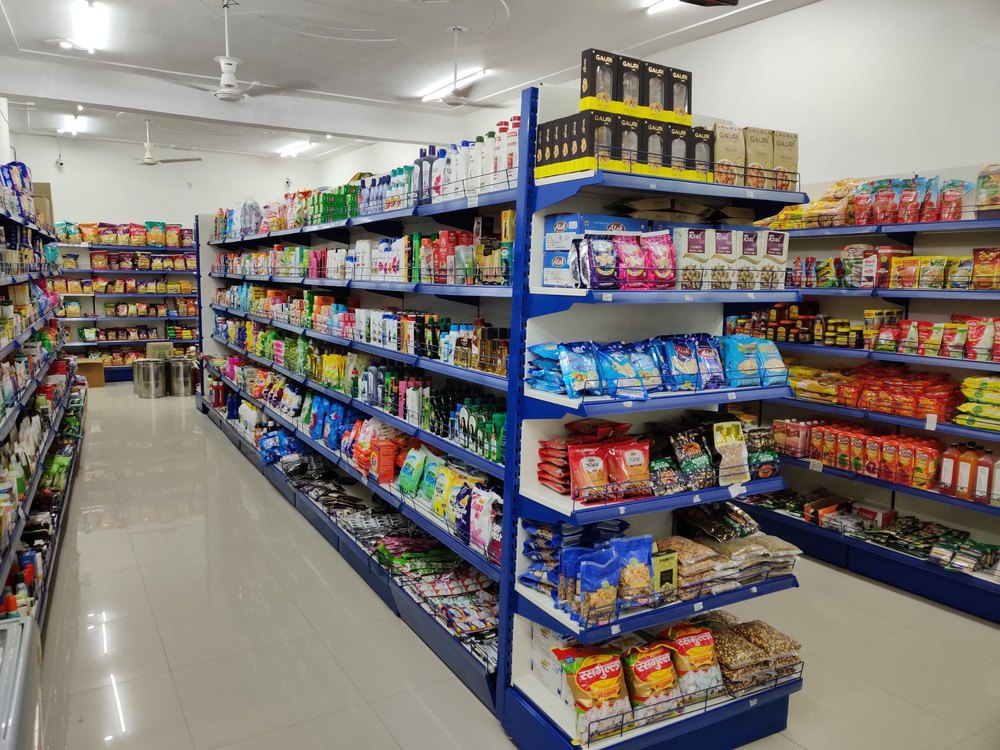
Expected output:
(457, 94)
(150, 161)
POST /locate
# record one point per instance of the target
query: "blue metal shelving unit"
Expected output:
(524, 713)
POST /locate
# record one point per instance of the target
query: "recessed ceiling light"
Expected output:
(91, 21)
(79, 108)
(66, 44)
(294, 149)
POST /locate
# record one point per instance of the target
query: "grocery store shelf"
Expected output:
(449, 649)
(436, 441)
(973, 593)
(538, 719)
(947, 428)
(129, 318)
(13, 412)
(128, 342)
(26, 334)
(21, 278)
(126, 272)
(901, 232)
(553, 190)
(375, 285)
(541, 503)
(902, 489)
(144, 295)
(466, 374)
(539, 608)
(961, 295)
(132, 248)
(46, 237)
(912, 359)
(543, 405)
(548, 300)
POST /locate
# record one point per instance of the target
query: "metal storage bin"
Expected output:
(149, 378)
(182, 381)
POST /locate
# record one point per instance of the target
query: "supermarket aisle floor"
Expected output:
(194, 608)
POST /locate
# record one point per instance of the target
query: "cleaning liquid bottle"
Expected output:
(513, 136)
(451, 187)
(966, 472)
(437, 176)
(462, 170)
(476, 165)
(500, 156)
(427, 174)
(407, 187)
(489, 165)
(363, 199)
(418, 178)
(984, 478)
(6, 384)
(949, 466)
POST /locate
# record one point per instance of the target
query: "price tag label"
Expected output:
(735, 490)
(698, 606)
(627, 404)
(753, 589)
(754, 702)
(689, 298)
(731, 396)
(473, 201)
(815, 465)
(750, 194)
(751, 295)
(616, 629)
(652, 186)
(607, 297)
(621, 510)
(931, 422)
(696, 499)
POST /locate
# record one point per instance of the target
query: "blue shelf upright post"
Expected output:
(525, 207)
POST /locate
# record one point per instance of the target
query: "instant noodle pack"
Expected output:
(644, 678)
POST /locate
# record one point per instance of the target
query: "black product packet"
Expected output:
(702, 150)
(597, 80)
(679, 92)
(653, 144)
(655, 80)
(628, 86)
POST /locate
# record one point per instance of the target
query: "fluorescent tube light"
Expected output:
(662, 5)
(294, 149)
(91, 21)
(72, 124)
(464, 79)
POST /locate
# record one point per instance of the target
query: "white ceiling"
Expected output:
(47, 117)
(334, 65)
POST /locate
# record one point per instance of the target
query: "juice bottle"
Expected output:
(984, 478)
(995, 485)
(965, 472)
(949, 464)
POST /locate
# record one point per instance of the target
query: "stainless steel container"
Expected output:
(149, 378)
(182, 380)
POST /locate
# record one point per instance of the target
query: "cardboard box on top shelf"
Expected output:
(759, 157)
(730, 155)
(597, 81)
(680, 96)
(786, 160)
(628, 86)
(588, 138)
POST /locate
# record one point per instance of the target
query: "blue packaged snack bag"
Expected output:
(579, 369)
(710, 371)
(618, 373)
(598, 587)
(739, 361)
(545, 351)
(680, 365)
(635, 579)
(646, 365)
(569, 565)
(772, 366)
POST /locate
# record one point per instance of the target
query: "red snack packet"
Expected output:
(588, 466)
(628, 468)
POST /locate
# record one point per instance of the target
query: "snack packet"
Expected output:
(661, 259)
(628, 468)
(579, 369)
(698, 673)
(986, 268)
(952, 194)
(596, 680)
(632, 263)
(651, 681)
(635, 577)
(598, 581)
(589, 476)
(600, 260)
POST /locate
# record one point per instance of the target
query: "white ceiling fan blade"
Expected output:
(178, 161)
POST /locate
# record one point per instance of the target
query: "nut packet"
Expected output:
(635, 576)
(633, 267)
(599, 574)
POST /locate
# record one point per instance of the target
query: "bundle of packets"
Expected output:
(316, 478)
(278, 443)
(982, 408)
(666, 363)
(599, 462)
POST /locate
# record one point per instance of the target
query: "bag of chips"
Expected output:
(596, 680)
(598, 578)
(579, 369)
(628, 468)
(632, 263)
(660, 258)
(651, 681)
(635, 577)
(589, 477)
(698, 673)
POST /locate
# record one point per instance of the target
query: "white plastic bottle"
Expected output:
(409, 186)
(489, 167)
(513, 136)
(462, 170)
(428, 173)
(476, 165)
(450, 165)
(363, 199)
(500, 156)
(438, 176)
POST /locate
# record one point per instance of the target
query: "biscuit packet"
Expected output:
(679, 365)
(599, 262)
(660, 259)
(633, 267)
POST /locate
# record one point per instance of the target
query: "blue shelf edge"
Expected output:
(426, 522)
(442, 290)
(967, 225)
(553, 620)
(584, 514)
(543, 303)
(461, 661)
(958, 590)
(902, 489)
(912, 359)
(127, 272)
(466, 374)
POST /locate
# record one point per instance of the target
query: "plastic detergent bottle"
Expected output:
(437, 175)
(500, 156)
(476, 165)
(489, 166)
(428, 171)
(363, 198)
(462, 169)
(450, 165)
(513, 136)
(418, 180)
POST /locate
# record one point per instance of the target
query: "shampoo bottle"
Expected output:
(462, 170)
(418, 180)
(451, 186)
(476, 166)
(500, 156)
(489, 166)
(438, 176)
(428, 170)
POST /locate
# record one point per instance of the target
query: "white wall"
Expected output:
(376, 158)
(871, 86)
(102, 182)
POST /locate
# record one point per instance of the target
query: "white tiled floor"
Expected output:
(189, 590)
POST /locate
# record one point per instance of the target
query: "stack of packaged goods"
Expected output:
(599, 462)
(589, 251)
(681, 362)
(982, 406)
(657, 675)
(449, 256)
(148, 234)
(597, 574)
(16, 196)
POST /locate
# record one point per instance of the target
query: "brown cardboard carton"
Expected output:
(730, 155)
(786, 160)
(759, 157)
